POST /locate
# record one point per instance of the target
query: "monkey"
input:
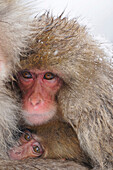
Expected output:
(85, 98)
(39, 90)
(46, 141)
(63, 50)
(28, 147)
(14, 30)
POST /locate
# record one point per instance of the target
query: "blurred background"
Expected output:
(97, 14)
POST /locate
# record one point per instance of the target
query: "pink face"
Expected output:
(39, 89)
(29, 147)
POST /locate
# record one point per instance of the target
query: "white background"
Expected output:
(99, 13)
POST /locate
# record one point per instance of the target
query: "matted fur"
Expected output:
(86, 99)
(15, 29)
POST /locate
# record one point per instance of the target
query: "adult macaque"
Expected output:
(28, 147)
(68, 68)
(54, 140)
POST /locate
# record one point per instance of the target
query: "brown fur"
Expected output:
(14, 28)
(40, 164)
(59, 141)
(86, 98)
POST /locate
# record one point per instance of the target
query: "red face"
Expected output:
(39, 89)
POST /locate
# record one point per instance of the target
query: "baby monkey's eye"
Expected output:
(26, 74)
(36, 149)
(27, 136)
(49, 76)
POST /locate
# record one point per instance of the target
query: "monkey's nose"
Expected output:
(34, 101)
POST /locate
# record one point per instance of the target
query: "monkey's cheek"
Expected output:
(21, 152)
(15, 154)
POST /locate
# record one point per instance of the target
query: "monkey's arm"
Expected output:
(40, 164)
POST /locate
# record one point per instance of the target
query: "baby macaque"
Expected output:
(55, 140)
(29, 147)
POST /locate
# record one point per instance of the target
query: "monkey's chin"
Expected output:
(38, 118)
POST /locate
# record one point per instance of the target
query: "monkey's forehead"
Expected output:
(53, 39)
(63, 44)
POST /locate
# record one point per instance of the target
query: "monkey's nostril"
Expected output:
(34, 102)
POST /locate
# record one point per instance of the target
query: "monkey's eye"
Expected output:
(36, 149)
(49, 76)
(26, 74)
(27, 137)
